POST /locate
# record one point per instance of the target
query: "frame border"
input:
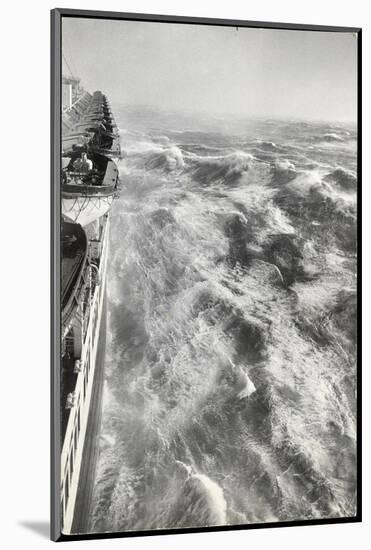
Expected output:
(55, 117)
(55, 325)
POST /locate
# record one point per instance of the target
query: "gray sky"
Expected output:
(218, 70)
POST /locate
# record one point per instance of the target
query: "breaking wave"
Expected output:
(221, 169)
(155, 155)
(331, 137)
(346, 179)
(313, 199)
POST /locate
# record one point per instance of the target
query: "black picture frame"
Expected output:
(56, 68)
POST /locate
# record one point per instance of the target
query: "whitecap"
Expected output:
(243, 384)
(284, 165)
(215, 496)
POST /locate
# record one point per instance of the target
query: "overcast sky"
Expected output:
(219, 70)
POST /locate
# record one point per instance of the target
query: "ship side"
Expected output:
(90, 136)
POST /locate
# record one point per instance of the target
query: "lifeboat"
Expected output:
(106, 144)
(102, 143)
(94, 129)
(74, 245)
(96, 123)
(76, 141)
(88, 187)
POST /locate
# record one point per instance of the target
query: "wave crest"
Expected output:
(155, 155)
(345, 179)
(227, 168)
(168, 159)
(283, 170)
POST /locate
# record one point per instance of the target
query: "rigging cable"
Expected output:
(69, 68)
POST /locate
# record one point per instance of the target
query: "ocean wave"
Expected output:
(226, 169)
(327, 138)
(284, 165)
(312, 199)
(249, 335)
(333, 320)
(239, 233)
(319, 492)
(344, 315)
(159, 155)
(283, 171)
(202, 149)
(331, 137)
(244, 386)
(162, 217)
(167, 159)
(201, 496)
(285, 251)
(267, 145)
(232, 325)
(346, 179)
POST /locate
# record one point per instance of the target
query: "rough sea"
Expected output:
(230, 375)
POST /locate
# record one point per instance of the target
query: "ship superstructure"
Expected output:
(89, 184)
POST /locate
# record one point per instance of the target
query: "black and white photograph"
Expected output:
(209, 176)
